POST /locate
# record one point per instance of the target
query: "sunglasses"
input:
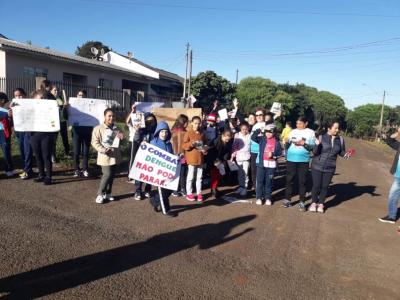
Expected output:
(269, 131)
(259, 115)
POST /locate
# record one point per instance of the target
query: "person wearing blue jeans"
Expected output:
(24, 143)
(394, 193)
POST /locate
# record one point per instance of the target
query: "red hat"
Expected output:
(212, 118)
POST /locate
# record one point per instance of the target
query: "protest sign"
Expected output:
(157, 167)
(35, 115)
(146, 107)
(86, 111)
(223, 114)
(169, 115)
(138, 119)
(276, 108)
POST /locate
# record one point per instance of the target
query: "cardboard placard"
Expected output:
(169, 115)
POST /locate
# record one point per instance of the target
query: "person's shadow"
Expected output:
(348, 191)
(71, 273)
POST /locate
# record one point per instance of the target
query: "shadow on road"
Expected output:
(348, 191)
(71, 273)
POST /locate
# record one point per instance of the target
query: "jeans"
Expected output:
(253, 168)
(243, 173)
(321, 181)
(394, 196)
(189, 182)
(139, 187)
(292, 169)
(24, 143)
(82, 135)
(265, 179)
(164, 193)
(41, 145)
(107, 179)
(5, 145)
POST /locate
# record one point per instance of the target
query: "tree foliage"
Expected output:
(84, 50)
(208, 86)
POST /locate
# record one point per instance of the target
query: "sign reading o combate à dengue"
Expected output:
(157, 167)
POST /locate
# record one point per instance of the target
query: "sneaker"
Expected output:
(10, 173)
(320, 208)
(387, 219)
(100, 199)
(215, 193)
(313, 207)
(268, 202)
(302, 206)
(190, 198)
(85, 174)
(109, 197)
(147, 194)
(200, 198)
(53, 159)
(175, 194)
(138, 196)
(244, 192)
(183, 193)
(239, 190)
(47, 181)
(170, 214)
(77, 173)
(24, 176)
(259, 202)
(286, 203)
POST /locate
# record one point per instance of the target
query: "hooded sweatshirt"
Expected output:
(166, 144)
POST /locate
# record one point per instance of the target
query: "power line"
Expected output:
(247, 10)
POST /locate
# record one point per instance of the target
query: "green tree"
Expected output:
(208, 86)
(84, 50)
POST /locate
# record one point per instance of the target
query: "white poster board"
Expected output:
(276, 108)
(146, 107)
(157, 167)
(86, 111)
(138, 119)
(36, 115)
(223, 114)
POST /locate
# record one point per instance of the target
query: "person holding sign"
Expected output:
(105, 140)
(162, 140)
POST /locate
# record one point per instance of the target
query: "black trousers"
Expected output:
(155, 201)
(42, 143)
(82, 135)
(182, 178)
(321, 181)
(292, 169)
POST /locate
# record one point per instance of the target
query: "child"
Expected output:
(178, 134)
(211, 130)
(108, 157)
(218, 154)
(241, 152)
(270, 150)
(144, 134)
(5, 134)
(162, 140)
(194, 145)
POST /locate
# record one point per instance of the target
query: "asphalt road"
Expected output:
(57, 243)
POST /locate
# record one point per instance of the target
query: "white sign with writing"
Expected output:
(35, 115)
(86, 111)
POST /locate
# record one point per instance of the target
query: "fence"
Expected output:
(121, 100)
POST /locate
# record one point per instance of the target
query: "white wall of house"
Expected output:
(2, 64)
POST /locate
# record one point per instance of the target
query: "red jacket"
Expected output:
(7, 125)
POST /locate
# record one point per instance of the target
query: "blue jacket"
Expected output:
(262, 141)
(326, 152)
(166, 144)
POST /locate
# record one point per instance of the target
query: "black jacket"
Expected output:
(393, 143)
(326, 152)
(219, 150)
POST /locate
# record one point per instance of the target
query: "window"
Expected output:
(35, 72)
(74, 79)
(105, 83)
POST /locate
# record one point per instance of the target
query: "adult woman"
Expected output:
(109, 155)
(323, 164)
(301, 141)
(81, 137)
(254, 147)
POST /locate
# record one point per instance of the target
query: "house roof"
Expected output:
(30, 49)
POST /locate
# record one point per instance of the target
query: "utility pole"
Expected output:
(190, 70)
(381, 119)
(186, 74)
(237, 76)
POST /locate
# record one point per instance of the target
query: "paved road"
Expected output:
(56, 243)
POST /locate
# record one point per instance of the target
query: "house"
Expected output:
(21, 62)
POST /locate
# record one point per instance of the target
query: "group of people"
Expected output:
(208, 148)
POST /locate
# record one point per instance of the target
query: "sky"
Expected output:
(350, 48)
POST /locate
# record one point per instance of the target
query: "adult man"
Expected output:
(394, 193)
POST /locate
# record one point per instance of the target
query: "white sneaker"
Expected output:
(268, 202)
(10, 173)
(85, 174)
(259, 202)
(100, 199)
(109, 197)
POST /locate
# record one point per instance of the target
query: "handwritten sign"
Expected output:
(86, 111)
(157, 167)
(34, 115)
